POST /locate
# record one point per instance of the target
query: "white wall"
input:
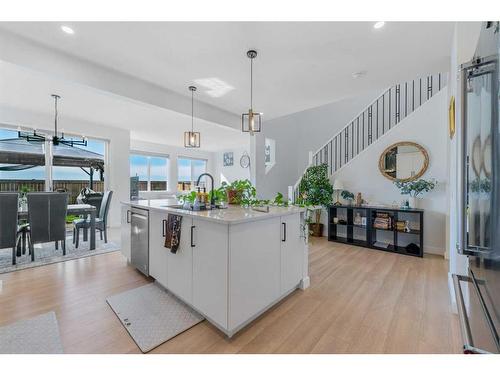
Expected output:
(173, 152)
(296, 135)
(427, 126)
(463, 46)
(234, 172)
(117, 169)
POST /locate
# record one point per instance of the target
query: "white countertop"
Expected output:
(232, 215)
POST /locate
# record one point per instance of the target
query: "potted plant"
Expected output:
(239, 191)
(316, 190)
(414, 189)
(348, 196)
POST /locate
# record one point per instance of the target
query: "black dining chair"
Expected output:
(8, 222)
(47, 219)
(101, 222)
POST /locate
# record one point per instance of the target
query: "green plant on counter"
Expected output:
(315, 189)
(188, 197)
(347, 195)
(415, 188)
(239, 192)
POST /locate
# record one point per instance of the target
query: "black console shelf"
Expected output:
(348, 230)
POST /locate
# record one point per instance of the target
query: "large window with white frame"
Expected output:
(152, 171)
(23, 167)
(188, 171)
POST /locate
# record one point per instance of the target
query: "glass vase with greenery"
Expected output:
(415, 189)
(316, 190)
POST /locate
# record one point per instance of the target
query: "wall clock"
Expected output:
(245, 160)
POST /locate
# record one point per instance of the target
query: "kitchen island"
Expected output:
(231, 265)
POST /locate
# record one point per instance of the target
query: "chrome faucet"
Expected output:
(212, 199)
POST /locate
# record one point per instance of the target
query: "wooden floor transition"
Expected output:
(360, 301)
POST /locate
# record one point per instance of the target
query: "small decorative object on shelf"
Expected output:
(400, 226)
(357, 219)
(359, 199)
(407, 226)
(414, 189)
(348, 196)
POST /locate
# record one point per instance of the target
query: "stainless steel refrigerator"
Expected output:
(478, 292)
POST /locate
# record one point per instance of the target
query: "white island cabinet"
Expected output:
(231, 264)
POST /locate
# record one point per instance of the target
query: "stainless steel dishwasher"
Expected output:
(139, 241)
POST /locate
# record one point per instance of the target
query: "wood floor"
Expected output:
(360, 301)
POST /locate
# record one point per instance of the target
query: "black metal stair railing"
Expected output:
(379, 117)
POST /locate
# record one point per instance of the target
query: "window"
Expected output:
(72, 178)
(151, 170)
(188, 172)
(22, 165)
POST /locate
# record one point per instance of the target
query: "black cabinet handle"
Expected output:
(192, 232)
(163, 226)
(284, 232)
(128, 216)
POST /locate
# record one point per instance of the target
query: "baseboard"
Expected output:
(433, 250)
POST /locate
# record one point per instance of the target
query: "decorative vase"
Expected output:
(412, 201)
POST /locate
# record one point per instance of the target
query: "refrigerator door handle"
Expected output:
(468, 346)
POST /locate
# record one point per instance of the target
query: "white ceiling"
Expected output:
(30, 91)
(300, 65)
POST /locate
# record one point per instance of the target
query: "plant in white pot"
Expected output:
(415, 189)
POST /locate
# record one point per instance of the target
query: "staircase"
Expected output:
(376, 120)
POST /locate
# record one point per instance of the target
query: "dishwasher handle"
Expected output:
(192, 235)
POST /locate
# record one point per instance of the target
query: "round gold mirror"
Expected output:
(403, 161)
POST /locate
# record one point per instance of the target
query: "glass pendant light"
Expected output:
(251, 122)
(192, 138)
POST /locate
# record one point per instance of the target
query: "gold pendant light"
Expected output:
(251, 122)
(192, 138)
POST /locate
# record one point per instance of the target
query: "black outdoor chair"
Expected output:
(100, 222)
(8, 222)
(47, 219)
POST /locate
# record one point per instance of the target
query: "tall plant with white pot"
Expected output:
(415, 189)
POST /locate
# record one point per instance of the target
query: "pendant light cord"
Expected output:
(251, 83)
(55, 115)
(192, 111)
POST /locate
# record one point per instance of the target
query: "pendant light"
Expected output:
(192, 138)
(56, 140)
(251, 122)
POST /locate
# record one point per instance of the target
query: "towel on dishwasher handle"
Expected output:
(173, 235)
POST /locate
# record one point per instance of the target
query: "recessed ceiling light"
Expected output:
(379, 24)
(67, 29)
(356, 75)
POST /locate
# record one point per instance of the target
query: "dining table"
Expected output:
(73, 209)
